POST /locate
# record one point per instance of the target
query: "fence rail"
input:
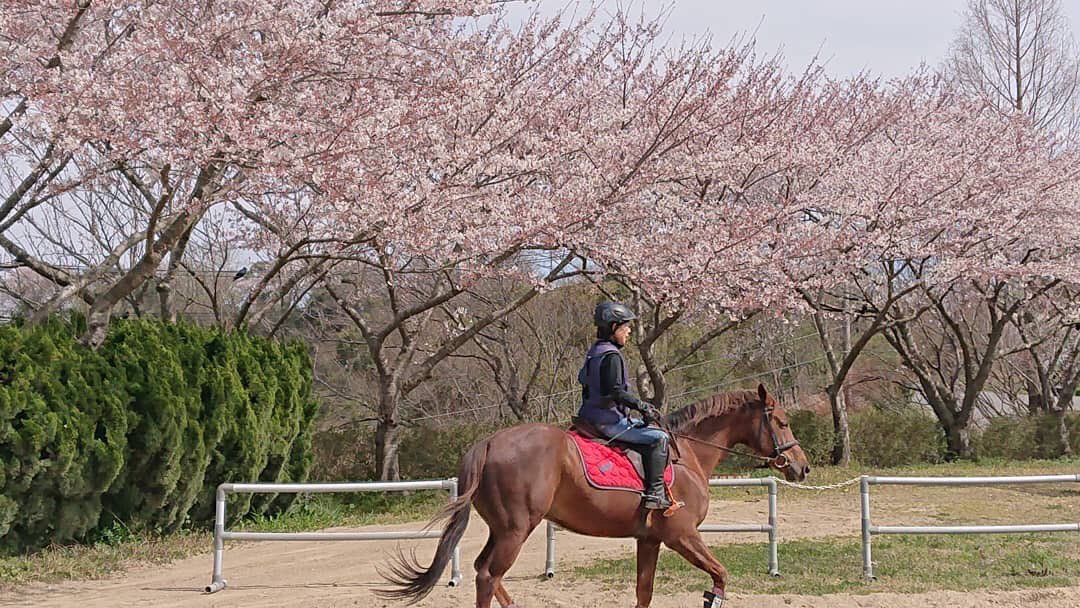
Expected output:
(868, 529)
(221, 535)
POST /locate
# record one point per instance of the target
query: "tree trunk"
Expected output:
(101, 311)
(517, 406)
(1063, 432)
(1035, 401)
(164, 287)
(841, 453)
(388, 432)
(958, 439)
(387, 442)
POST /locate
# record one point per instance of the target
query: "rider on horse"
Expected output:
(606, 400)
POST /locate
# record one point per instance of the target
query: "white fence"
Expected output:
(868, 529)
(221, 535)
(769, 528)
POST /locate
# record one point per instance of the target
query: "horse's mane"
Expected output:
(682, 419)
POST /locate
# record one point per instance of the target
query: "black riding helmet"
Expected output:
(608, 314)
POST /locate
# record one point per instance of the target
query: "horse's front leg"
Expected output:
(647, 552)
(693, 548)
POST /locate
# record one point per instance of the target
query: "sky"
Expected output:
(887, 37)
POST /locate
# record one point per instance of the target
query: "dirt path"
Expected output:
(337, 575)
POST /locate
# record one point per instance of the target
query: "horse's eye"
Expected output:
(782, 424)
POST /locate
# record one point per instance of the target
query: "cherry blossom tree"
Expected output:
(511, 151)
(703, 243)
(190, 106)
(950, 202)
(838, 255)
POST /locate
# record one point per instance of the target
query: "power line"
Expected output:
(750, 377)
(443, 415)
(744, 352)
(684, 393)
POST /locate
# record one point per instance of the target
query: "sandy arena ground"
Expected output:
(337, 575)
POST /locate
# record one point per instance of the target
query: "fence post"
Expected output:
(549, 566)
(774, 564)
(217, 581)
(455, 564)
(864, 503)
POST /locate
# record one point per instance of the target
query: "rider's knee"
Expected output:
(662, 441)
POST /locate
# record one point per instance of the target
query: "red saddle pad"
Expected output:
(608, 468)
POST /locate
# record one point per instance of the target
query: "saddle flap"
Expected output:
(611, 465)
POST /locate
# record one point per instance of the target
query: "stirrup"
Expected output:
(656, 503)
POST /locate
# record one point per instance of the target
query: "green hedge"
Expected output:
(884, 438)
(142, 430)
(815, 434)
(1025, 438)
(63, 435)
(879, 438)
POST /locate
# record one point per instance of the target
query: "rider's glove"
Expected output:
(650, 412)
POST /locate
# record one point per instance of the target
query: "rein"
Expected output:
(722, 448)
(777, 459)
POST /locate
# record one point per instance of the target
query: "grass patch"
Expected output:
(903, 564)
(98, 560)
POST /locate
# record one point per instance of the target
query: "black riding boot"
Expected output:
(655, 462)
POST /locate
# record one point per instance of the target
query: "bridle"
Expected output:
(777, 459)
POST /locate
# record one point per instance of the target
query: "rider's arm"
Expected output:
(611, 371)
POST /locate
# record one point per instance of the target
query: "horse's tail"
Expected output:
(411, 581)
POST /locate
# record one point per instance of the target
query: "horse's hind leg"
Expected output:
(501, 558)
(513, 503)
(489, 573)
(485, 588)
(503, 596)
(693, 548)
(491, 585)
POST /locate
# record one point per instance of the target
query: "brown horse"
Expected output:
(520, 476)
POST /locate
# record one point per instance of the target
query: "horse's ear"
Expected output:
(761, 392)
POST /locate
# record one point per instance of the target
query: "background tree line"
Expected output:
(436, 231)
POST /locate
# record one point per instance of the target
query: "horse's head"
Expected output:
(772, 438)
(742, 418)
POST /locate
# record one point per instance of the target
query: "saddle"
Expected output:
(611, 464)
